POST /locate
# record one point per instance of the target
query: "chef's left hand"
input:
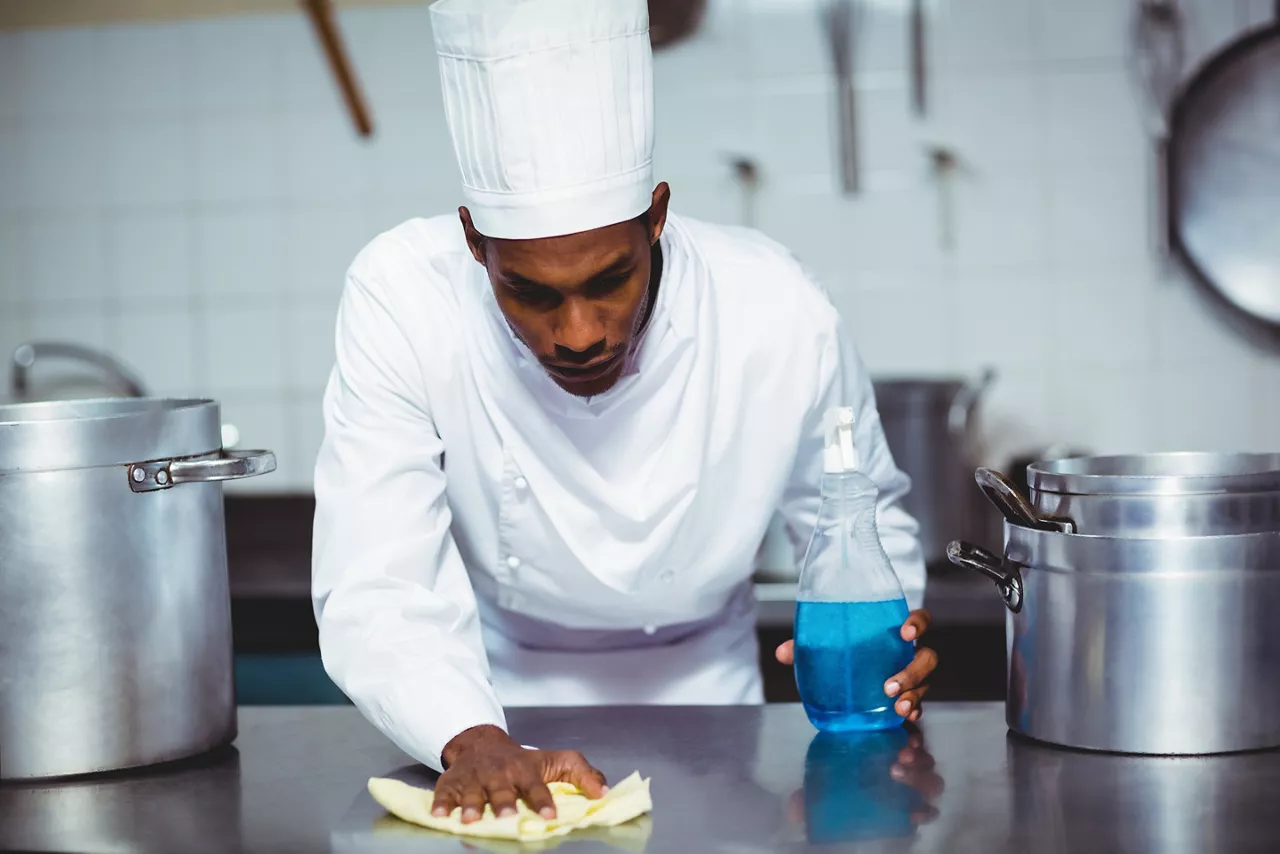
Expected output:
(910, 685)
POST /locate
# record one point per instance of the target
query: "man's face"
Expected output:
(577, 301)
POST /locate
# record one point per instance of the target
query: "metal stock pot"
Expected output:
(1161, 495)
(115, 628)
(1139, 645)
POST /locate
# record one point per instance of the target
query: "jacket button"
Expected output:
(513, 562)
(521, 483)
(648, 630)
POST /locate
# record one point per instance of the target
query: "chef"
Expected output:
(560, 423)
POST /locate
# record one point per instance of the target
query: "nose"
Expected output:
(579, 334)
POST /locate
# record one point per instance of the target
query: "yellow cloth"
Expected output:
(574, 810)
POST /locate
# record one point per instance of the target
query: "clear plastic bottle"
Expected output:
(850, 606)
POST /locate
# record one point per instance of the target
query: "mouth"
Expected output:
(575, 374)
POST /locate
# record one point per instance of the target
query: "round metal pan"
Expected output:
(1223, 178)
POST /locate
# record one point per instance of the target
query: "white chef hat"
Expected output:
(550, 104)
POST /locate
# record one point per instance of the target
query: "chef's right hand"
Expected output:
(483, 765)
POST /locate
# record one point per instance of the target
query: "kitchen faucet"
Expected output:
(121, 378)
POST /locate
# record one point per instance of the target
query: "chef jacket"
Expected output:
(484, 538)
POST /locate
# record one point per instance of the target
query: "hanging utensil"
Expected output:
(919, 93)
(747, 173)
(1157, 59)
(320, 13)
(944, 164)
(842, 19)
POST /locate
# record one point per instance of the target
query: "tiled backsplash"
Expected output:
(188, 195)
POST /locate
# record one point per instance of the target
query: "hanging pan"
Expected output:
(1224, 177)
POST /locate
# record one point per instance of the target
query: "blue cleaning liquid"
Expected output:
(845, 652)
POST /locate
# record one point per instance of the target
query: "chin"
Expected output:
(590, 388)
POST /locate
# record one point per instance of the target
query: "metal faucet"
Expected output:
(121, 378)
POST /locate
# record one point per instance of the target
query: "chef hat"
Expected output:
(550, 104)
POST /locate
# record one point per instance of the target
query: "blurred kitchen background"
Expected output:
(182, 186)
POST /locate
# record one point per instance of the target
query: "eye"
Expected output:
(604, 287)
(533, 295)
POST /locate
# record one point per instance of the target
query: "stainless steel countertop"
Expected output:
(729, 779)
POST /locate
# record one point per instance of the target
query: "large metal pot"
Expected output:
(1153, 646)
(929, 427)
(1161, 495)
(115, 630)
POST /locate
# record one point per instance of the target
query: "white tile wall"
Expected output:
(190, 195)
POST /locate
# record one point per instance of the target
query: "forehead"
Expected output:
(571, 259)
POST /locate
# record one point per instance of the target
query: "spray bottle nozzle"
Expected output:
(840, 454)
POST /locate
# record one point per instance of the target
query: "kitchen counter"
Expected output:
(724, 779)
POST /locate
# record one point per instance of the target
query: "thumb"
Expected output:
(571, 767)
(786, 653)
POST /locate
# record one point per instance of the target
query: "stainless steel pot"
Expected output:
(1153, 646)
(1161, 495)
(115, 629)
(929, 427)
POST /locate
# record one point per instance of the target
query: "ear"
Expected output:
(475, 240)
(658, 211)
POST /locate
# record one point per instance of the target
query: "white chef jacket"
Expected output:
(605, 544)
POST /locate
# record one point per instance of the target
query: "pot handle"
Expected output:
(229, 465)
(1009, 501)
(965, 401)
(1005, 574)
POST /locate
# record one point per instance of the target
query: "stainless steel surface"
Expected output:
(75, 434)
(930, 427)
(1224, 175)
(1016, 509)
(228, 465)
(115, 630)
(729, 779)
(1154, 646)
(1161, 495)
(26, 356)
(977, 559)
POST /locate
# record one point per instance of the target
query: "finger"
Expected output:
(924, 815)
(917, 624)
(786, 653)
(795, 807)
(538, 797)
(572, 767)
(908, 704)
(917, 671)
(916, 760)
(502, 797)
(927, 783)
(930, 785)
(473, 800)
(445, 801)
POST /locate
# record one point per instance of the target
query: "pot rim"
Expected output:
(58, 435)
(1202, 473)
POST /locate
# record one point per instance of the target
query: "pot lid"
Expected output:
(1187, 473)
